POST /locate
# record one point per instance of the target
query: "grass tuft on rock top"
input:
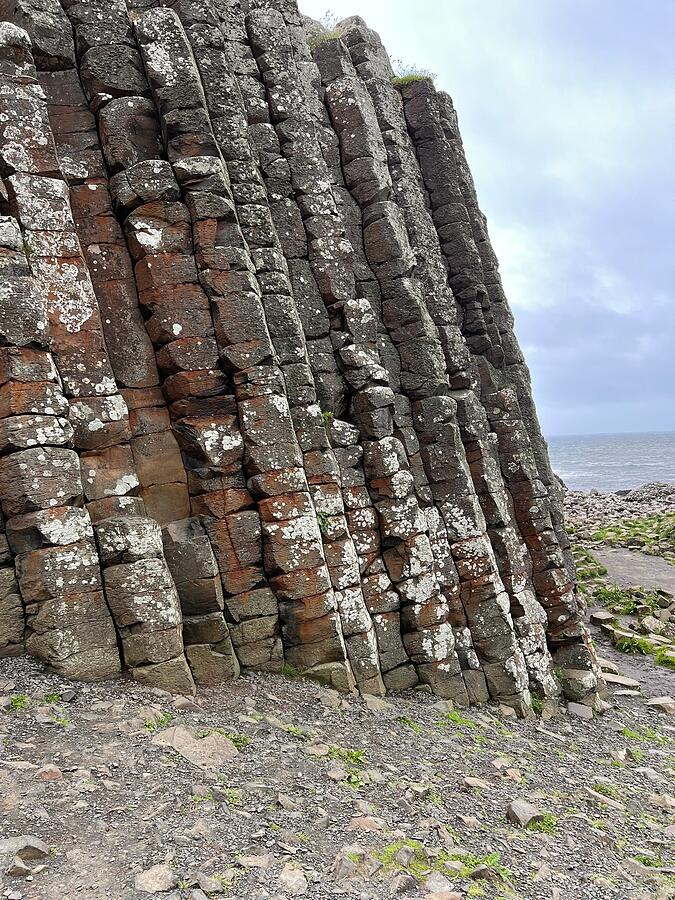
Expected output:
(322, 37)
(405, 73)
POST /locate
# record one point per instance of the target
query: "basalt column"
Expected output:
(261, 402)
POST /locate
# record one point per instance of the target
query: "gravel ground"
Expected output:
(328, 797)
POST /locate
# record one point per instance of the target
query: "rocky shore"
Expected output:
(584, 508)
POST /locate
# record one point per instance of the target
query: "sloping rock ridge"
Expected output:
(261, 402)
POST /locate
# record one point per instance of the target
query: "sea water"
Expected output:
(613, 462)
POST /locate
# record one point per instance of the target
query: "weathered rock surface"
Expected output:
(261, 402)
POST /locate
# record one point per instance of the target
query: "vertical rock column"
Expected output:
(273, 460)
(371, 62)
(39, 197)
(329, 254)
(333, 62)
(98, 416)
(12, 264)
(229, 123)
(514, 366)
(144, 602)
(68, 624)
(439, 167)
(329, 393)
(208, 645)
(12, 618)
(160, 239)
(424, 380)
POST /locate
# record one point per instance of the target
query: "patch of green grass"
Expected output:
(664, 656)
(354, 779)
(402, 80)
(651, 861)
(206, 798)
(327, 417)
(455, 718)
(321, 37)
(537, 704)
(347, 754)
(296, 731)
(288, 671)
(409, 723)
(232, 796)
(547, 825)
(653, 534)
(607, 790)
(239, 740)
(420, 865)
(588, 567)
(630, 644)
(53, 698)
(61, 720)
(324, 521)
(625, 601)
(162, 721)
(19, 701)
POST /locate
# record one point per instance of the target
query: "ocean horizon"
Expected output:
(613, 462)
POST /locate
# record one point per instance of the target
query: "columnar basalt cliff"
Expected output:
(261, 402)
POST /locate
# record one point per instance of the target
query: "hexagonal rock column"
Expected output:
(206, 636)
(144, 602)
(68, 624)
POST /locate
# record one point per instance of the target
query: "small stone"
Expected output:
(186, 704)
(477, 783)
(404, 856)
(521, 813)
(438, 883)
(208, 884)
(209, 752)
(652, 625)
(376, 704)
(443, 895)
(598, 616)
(580, 710)
(156, 880)
(49, 773)
(602, 798)
(287, 803)
(608, 666)
(403, 884)
(662, 704)
(621, 680)
(17, 868)
(261, 861)
(292, 880)
(365, 823)
(25, 847)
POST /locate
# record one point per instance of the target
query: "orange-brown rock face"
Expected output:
(261, 402)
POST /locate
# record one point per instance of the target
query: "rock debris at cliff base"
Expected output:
(261, 402)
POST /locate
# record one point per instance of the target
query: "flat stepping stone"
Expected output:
(621, 680)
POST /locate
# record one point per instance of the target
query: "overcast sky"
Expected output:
(567, 110)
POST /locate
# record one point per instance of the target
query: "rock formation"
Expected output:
(261, 402)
